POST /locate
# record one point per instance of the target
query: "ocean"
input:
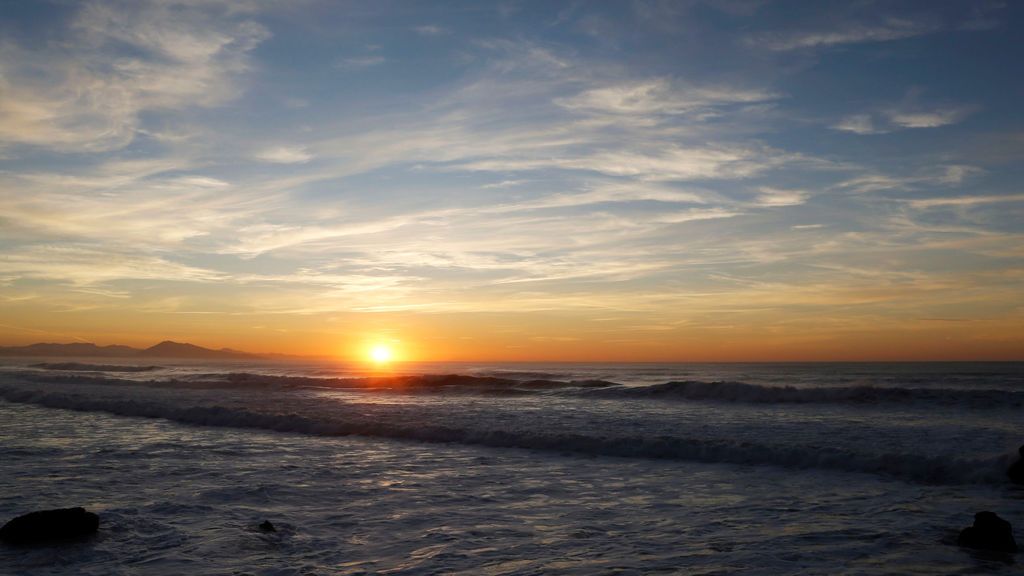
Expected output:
(487, 469)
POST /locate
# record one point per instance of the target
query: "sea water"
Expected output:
(511, 468)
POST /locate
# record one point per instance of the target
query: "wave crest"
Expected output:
(689, 390)
(912, 467)
(753, 393)
(84, 367)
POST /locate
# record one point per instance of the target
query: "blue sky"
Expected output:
(658, 179)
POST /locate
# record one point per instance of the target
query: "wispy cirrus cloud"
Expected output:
(430, 30)
(674, 163)
(285, 155)
(858, 124)
(888, 29)
(957, 201)
(500, 123)
(660, 96)
(933, 118)
(902, 118)
(121, 60)
(940, 176)
(86, 266)
(361, 62)
(124, 205)
(774, 197)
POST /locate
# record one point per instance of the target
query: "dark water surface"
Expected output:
(514, 469)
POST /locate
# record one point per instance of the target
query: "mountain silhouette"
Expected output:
(169, 349)
(165, 349)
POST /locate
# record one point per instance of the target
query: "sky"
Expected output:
(624, 181)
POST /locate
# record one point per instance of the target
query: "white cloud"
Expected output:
(957, 173)
(86, 266)
(907, 117)
(660, 96)
(858, 124)
(772, 197)
(933, 118)
(520, 55)
(360, 62)
(664, 164)
(503, 184)
(695, 214)
(285, 155)
(965, 201)
(602, 194)
(430, 30)
(949, 175)
(122, 204)
(126, 59)
(850, 33)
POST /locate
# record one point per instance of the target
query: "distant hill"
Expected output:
(169, 349)
(165, 349)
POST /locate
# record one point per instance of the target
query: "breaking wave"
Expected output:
(753, 393)
(912, 467)
(692, 390)
(446, 383)
(83, 367)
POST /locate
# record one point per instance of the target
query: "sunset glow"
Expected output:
(381, 354)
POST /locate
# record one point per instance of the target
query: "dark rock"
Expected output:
(267, 526)
(1016, 470)
(990, 532)
(49, 525)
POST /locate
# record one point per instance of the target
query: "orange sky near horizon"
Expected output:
(535, 337)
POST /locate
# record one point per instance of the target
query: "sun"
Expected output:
(381, 354)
